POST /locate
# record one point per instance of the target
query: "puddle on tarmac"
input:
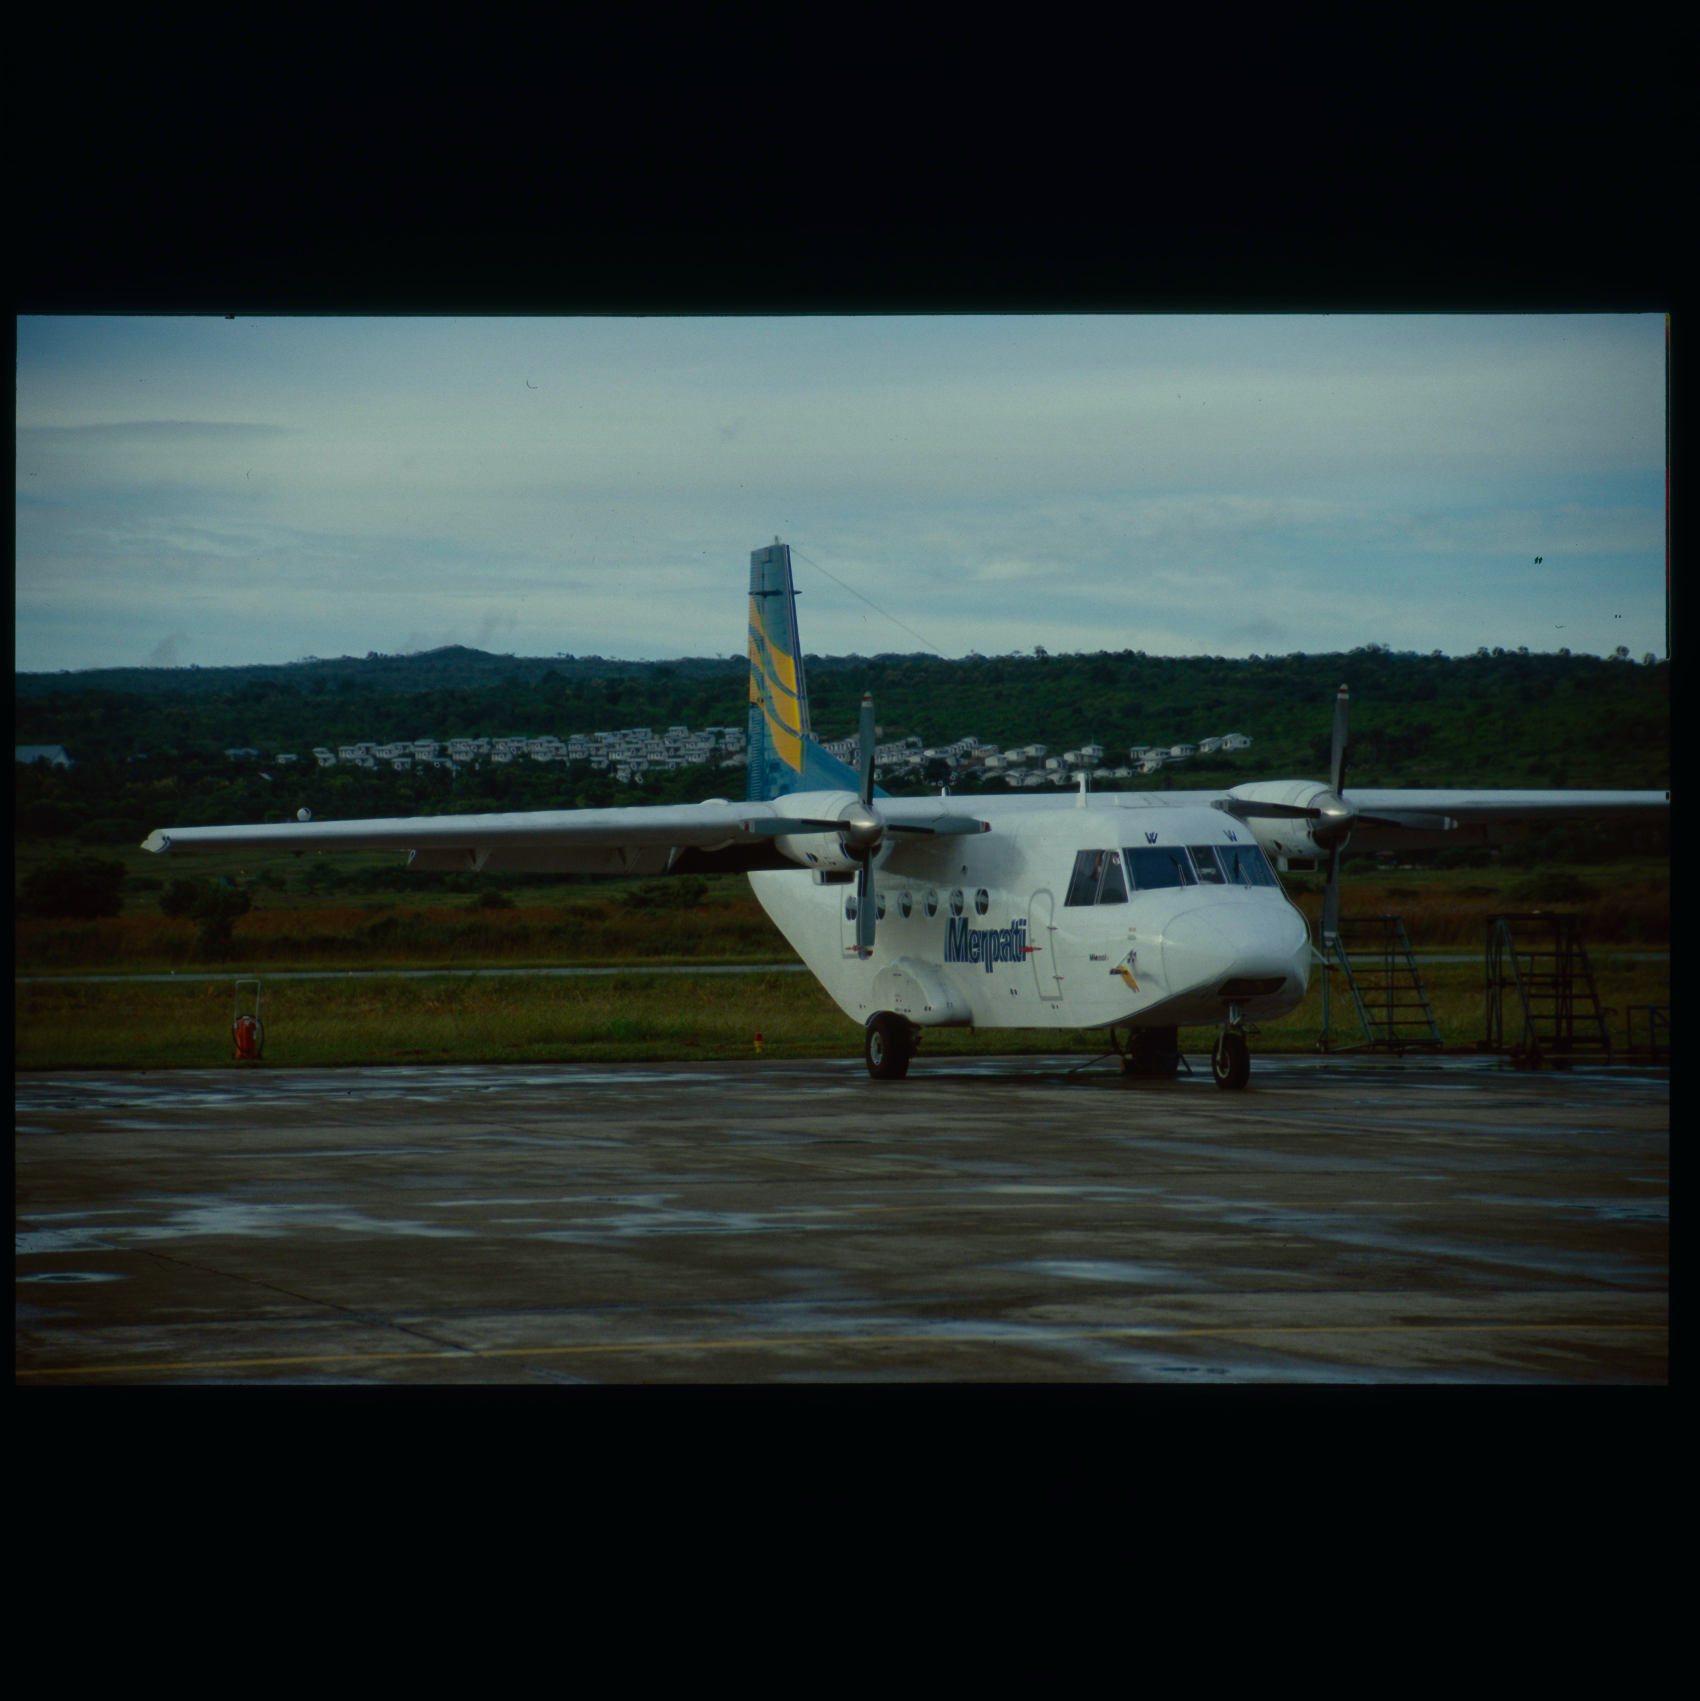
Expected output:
(28, 1243)
(218, 1218)
(1109, 1270)
(1606, 1210)
(75, 1276)
(624, 1225)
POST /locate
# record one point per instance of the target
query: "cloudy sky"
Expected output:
(212, 491)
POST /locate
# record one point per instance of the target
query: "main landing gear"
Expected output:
(888, 1043)
(1153, 1054)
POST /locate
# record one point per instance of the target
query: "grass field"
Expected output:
(626, 1017)
(634, 1016)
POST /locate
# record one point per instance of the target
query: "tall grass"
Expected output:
(378, 935)
(1440, 909)
(458, 1019)
(462, 1018)
(630, 1018)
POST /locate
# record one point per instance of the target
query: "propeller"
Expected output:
(1332, 817)
(867, 830)
(861, 828)
(1336, 840)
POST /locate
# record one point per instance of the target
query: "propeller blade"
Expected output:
(1331, 898)
(1337, 752)
(865, 747)
(1247, 809)
(865, 907)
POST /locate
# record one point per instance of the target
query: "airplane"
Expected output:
(1141, 911)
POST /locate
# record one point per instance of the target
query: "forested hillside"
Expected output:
(148, 744)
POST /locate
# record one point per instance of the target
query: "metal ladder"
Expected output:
(1542, 1003)
(1387, 990)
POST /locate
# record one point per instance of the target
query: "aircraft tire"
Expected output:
(1152, 1054)
(887, 1047)
(1230, 1060)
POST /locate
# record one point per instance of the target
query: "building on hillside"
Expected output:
(52, 754)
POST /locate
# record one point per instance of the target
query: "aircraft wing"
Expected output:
(649, 839)
(643, 840)
(1413, 819)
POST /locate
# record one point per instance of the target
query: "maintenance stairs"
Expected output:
(1374, 954)
(1542, 1004)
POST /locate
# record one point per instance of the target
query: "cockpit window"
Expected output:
(1112, 889)
(1083, 884)
(1246, 865)
(1209, 869)
(1167, 865)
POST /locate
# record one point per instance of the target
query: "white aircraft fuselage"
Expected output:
(997, 930)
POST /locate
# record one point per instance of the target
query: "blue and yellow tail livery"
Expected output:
(784, 757)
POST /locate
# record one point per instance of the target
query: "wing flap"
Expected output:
(564, 841)
(1409, 819)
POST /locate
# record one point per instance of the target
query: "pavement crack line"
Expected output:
(371, 1319)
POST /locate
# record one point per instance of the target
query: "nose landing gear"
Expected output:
(1230, 1057)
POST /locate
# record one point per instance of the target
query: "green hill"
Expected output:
(149, 743)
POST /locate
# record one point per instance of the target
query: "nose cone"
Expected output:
(1243, 952)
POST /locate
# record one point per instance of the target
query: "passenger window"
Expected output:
(1209, 869)
(932, 904)
(982, 901)
(905, 904)
(956, 901)
(1151, 870)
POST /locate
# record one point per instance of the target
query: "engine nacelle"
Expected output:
(817, 850)
(1291, 835)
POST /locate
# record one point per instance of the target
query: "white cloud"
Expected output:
(598, 485)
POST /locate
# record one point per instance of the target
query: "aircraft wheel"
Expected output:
(1152, 1054)
(887, 1046)
(1230, 1061)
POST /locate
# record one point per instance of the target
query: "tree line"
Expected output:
(1416, 720)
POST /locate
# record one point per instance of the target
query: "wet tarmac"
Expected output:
(1344, 1220)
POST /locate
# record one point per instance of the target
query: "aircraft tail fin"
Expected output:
(784, 757)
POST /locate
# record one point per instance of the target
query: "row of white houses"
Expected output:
(629, 752)
(1026, 764)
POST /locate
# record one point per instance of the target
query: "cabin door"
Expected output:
(1042, 946)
